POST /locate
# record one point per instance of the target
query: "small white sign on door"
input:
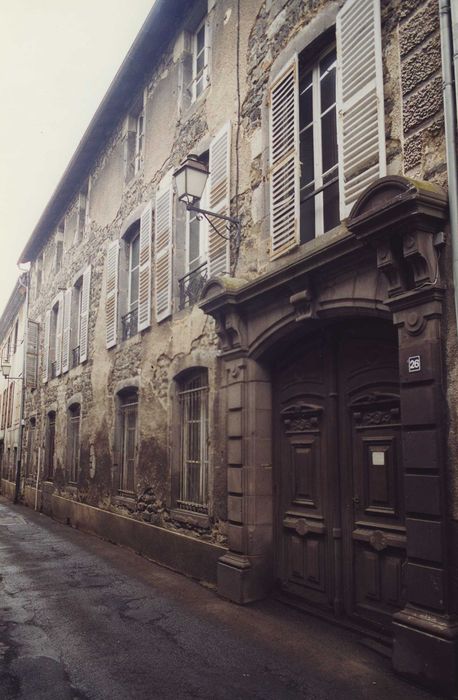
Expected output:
(378, 459)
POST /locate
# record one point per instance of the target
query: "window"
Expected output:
(128, 409)
(15, 336)
(134, 140)
(320, 165)
(73, 444)
(9, 421)
(75, 322)
(4, 408)
(82, 216)
(139, 139)
(319, 181)
(128, 285)
(30, 465)
(193, 399)
(50, 445)
(55, 339)
(192, 283)
(199, 61)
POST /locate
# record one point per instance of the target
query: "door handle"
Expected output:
(355, 500)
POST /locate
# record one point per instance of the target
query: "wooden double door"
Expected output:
(340, 527)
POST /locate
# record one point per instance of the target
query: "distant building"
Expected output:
(275, 411)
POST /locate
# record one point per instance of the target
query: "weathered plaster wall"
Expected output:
(174, 128)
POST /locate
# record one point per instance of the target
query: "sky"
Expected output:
(57, 59)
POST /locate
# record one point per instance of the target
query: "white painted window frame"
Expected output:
(195, 55)
(317, 134)
(131, 270)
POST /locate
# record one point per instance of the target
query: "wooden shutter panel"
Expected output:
(219, 196)
(84, 320)
(111, 300)
(361, 131)
(144, 285)
(284, 160)
(31, 359)
(46, 346)
(59, 327)
(163, 251)
(66, 330)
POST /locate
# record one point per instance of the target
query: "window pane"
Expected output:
(200, 63)
(201, 39)
(307, 215)
(134, 289)
(331, 205)
(194, 241)
(306, 156)
(328, 80)
(199, 86)
(134, 252)
(329, 140)
(306, 106)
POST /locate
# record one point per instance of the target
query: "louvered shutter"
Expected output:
(284, 160)
(163, 251)
(219, 201)
(84, 319)
(361, 131)
(59, 328)
(46, 346)
(66, 330)
(111, 300)
(144, 286)
(31, 358)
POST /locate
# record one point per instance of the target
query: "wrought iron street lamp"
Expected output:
(190, 180)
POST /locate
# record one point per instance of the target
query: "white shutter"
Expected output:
(144, 284)
(163, 251)
(31, 359)
(46, 346)
(219, 196)
(111, 299)
(284, 160)
(84, 319)
(59, 327)
(361, 131)
(66, 331)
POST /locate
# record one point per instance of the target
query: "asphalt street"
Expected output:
(83, 619)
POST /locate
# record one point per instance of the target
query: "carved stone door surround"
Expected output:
(385, 263)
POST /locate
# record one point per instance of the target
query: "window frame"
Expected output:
(313, 66)
(50, 453)
(204, 73)
(73, 442)
(127, 405)
(193, 453)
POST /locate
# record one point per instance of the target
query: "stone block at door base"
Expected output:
(244, 584)
(426, 659)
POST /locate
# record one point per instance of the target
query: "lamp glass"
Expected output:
(190, 179)
(6, 368)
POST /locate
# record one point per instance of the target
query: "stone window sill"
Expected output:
(190, 518)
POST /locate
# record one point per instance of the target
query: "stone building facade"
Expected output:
(273, 411)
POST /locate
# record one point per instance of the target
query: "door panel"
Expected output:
(303, 546)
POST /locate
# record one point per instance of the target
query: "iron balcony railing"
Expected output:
(76, 356)
(129, 324)
(191, 286)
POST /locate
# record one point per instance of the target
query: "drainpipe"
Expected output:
(21, 410)
(450, 133)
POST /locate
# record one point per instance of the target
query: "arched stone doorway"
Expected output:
(384, 265)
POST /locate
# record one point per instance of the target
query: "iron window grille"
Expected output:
(193, 398)
(129, 324)
(191, 286)
(128, 447)
(74, 444)
(76, 356)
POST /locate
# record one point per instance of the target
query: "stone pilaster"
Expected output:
(245, 572)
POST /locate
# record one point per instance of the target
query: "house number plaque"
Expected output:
(414, 363)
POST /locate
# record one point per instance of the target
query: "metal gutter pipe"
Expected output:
(17, 489)
(450, 134)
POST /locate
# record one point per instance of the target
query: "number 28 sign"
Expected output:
(414, 363)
